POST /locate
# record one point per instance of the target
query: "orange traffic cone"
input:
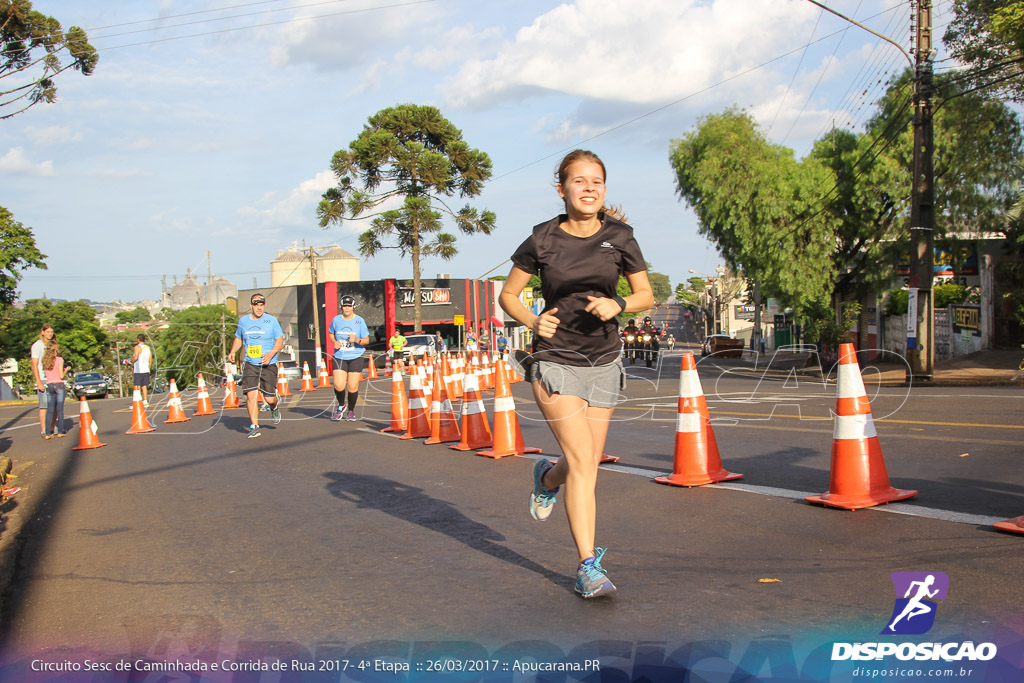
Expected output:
(859, 478)
(457, 376)
(307, 379)
(140, 425)
(372, 372)
(1015, 525)
(508, 438)
(399, 403)
(696, 461)
(204, 405)
(325, 376)
(387, 365)
(87, 429)
(175, 413)
(231, 394)
(476, 433)
(419, 409)
(443, 425)
(282, 385)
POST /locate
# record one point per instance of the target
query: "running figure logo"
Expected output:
(914, 612)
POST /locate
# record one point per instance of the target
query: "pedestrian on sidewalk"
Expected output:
(575, 369)
(262, 337)
(36, 358)
(351, 335)
(53, 373)
(142, 360)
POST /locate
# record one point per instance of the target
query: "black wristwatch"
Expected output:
(621, 302)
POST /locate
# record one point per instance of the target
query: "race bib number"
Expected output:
(345, 344)
(254, 351)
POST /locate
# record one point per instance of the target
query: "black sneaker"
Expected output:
(254, 431)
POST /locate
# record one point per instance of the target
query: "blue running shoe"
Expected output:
(541, 500)
(254, 432)
(276, 413)
(591, 578)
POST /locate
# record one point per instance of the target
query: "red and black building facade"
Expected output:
(388, 305)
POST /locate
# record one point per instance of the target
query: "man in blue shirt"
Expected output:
(350, 335)
(262, 337)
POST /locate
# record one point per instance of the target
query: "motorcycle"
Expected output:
(649, 346)
(630, 347)
(671, 343)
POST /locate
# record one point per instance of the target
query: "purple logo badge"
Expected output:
(916, 593)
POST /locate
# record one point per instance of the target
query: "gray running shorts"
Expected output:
(598, 385)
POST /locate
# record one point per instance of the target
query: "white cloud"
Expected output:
(118, 173)
(16, 162)
(333, 41)
(643, 51)
(52, 135)
(296, 209)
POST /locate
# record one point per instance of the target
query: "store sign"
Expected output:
(744, 312)
(967, 320)
(428, 297)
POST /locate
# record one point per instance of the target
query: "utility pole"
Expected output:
(316, 303)
(921, 320)
(922, 212)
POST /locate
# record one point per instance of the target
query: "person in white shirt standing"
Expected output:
(142, 359)
(36, 353)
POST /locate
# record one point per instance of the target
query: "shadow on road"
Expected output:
(411, 504)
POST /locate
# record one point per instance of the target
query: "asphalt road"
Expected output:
(323, 537)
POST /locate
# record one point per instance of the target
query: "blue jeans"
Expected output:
(55, 402)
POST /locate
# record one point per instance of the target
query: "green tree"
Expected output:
(82, 342)
(26, 74)
(194, 342)
(18, 251)
(660, 285)
(412, 153)
(987, 36)
(137, 315)
(759, 206)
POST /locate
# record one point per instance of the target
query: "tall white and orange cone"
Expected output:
(231, 393)
(175, 411)
(140, 425)
(1015, 525)
(696, 460)
(88, 431)
(859, 478)
(508, 437)
(399, 402)
(325, 375)
(458, 376)
(371, 373)
(203, 404)
(307, 379)
(282, 385)
(476, 432)
(419, 409)
(443, 425)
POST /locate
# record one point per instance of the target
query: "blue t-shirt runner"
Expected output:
(349, 334)
(340, 329)
(258, 337)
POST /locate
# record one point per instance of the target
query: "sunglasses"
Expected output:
(258, 302)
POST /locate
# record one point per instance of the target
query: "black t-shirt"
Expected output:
(571, 268)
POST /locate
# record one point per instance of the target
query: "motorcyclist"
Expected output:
(630, 330)
(671, 342)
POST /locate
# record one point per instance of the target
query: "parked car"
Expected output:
(89, 384)
(721, 345)
(419, 345)
(290, 369)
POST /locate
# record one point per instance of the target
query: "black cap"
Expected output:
(348, 300)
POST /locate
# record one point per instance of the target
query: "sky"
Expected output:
(209, 125)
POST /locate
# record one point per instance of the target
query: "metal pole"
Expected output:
(316, 305)
(922, 214)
